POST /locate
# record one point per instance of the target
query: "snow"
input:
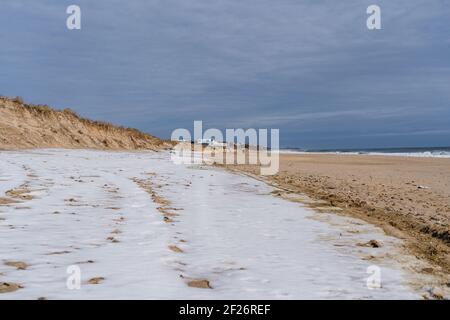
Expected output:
(233, 232)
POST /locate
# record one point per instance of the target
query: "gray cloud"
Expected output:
(309, 66)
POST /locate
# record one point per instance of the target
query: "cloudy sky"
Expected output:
(308, 67)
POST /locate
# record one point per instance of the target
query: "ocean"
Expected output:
(439, 152)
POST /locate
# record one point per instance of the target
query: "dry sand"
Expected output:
(408, 197)
(26, 126)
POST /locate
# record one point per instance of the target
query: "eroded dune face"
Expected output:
(37, 126)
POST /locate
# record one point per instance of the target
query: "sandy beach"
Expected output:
(127, 220)
(409, 197)
(137, 225)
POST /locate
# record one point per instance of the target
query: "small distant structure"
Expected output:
(217, 144)
(205, 142)
(212, 143)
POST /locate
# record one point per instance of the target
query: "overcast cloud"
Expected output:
(310, 68)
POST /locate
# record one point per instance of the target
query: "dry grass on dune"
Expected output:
(25, 126)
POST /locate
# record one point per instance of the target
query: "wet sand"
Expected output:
(408, 197)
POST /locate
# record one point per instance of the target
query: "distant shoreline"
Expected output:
(431, 152)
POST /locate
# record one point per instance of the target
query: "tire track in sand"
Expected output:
(166, 210)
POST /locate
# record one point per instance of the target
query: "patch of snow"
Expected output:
(88, 212)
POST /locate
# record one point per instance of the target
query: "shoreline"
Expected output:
(370, 154)
(408, 152)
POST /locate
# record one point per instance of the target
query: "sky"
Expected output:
(309, 68)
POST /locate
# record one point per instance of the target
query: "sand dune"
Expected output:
(26, 126)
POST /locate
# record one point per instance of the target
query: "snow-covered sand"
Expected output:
(87, 211)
